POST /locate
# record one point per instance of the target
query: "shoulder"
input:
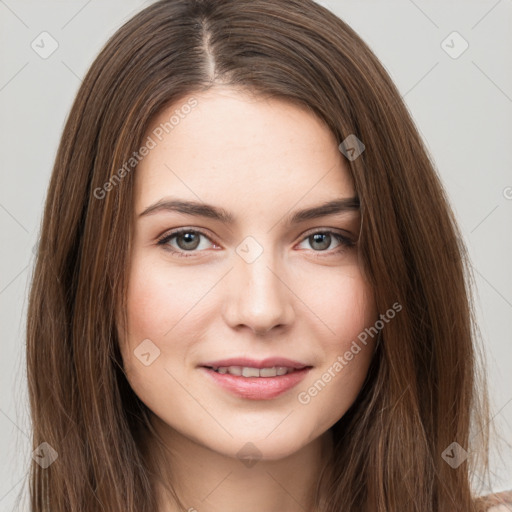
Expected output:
(498, 502)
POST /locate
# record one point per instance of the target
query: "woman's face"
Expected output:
(247, 279)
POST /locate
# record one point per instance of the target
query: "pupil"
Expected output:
(325, 236)
(189, 243)
(191, 240)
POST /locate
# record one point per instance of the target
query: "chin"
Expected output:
(273, 448)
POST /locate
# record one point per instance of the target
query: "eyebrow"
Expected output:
(214, 212)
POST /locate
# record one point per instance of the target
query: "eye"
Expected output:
(320, 241)
(187, 240)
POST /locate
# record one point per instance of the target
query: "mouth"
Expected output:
(256, 380)
(248, 371)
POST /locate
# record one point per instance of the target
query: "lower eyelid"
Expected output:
(165, 239)
(345, 242)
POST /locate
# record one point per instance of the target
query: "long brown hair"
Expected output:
(423, 391)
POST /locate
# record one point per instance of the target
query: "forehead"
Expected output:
(233, 145)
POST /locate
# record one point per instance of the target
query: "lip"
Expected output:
(252, 363)
(256, 388)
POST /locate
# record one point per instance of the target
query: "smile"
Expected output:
(247, 371)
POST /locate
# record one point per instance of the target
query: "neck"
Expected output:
(208, 481)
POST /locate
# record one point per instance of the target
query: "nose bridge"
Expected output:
(260, 298)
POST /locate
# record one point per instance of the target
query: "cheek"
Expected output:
(159, 299)
(345, 304)
(163, 307)
(152, 309)
(347, 309)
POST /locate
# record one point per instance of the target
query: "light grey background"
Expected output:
(462, 106)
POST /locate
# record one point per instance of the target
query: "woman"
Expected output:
(206, 352)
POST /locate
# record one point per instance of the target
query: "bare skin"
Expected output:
(303, 298)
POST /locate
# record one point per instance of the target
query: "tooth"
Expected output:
(250, 372)
(246, 371)
(268, 372)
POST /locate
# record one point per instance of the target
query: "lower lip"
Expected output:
(257, 388)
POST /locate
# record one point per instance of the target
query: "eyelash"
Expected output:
(345, 243)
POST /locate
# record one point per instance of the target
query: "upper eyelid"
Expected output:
(173, 233)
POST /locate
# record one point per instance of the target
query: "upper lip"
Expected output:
(270, 362)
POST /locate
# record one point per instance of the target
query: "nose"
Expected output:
(258, 297)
